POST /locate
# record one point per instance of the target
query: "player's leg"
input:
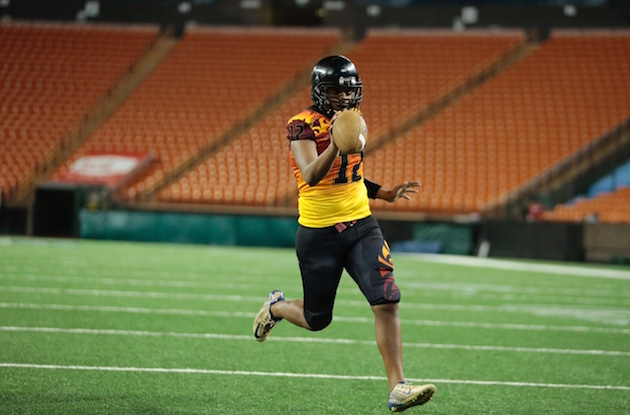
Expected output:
(321, 264)
(321, 255)
(292, 311)
(371, 266)
(389, 341)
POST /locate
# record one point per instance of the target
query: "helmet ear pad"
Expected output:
(336, 70)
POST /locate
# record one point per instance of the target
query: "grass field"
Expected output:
(121, 328)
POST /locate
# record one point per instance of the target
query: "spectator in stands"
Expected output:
(337, 231)
(535, 211)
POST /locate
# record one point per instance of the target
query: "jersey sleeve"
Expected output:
(299, 129)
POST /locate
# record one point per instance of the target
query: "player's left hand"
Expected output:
(401, 190)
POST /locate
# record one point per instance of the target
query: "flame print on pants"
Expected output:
(390, 290)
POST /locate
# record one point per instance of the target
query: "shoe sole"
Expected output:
(259, 317)
(417, 400)
(261, 314)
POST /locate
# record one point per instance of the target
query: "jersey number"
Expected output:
(342, 177)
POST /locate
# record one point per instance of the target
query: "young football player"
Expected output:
(337, 231)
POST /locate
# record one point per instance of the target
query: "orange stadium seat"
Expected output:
(51, 76)
(212, 79)
(392, 92)
(612, 207)
(517, 125)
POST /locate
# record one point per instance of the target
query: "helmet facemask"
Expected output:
(331, 76)
(342, 98)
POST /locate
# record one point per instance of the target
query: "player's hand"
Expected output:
(401, 190)
(332, 121)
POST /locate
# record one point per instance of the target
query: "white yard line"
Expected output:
(301, 376)
(340, 319)
(469, 261)
(218, 336)
(607, 315)
(455, 290)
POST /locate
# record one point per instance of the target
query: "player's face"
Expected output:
(340, 97)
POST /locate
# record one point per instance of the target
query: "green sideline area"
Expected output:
(102, 327)
(247, 230)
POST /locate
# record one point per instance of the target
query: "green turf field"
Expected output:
(122, 328)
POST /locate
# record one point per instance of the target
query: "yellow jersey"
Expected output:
(341, 196)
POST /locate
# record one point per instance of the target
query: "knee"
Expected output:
(318, 322)
(383, 309)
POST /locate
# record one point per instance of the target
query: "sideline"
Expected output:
(340, 319)
(218, 336)
(515, 265)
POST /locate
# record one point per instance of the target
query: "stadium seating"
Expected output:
(213, 79)
(611, 207)
(51, 76)
(491, 141)
(514, 127)
(251, 170)
(406, 70)
(401, 78)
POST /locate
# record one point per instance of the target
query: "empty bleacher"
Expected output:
(404, 71)
(512, 128)
(401, 78)
(51, 76)
(252, 170)
(213, 79)
(488, 142)
(607, 200)
(611, 207)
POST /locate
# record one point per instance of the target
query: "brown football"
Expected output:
(349, 132)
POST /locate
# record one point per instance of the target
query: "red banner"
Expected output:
(110, 168)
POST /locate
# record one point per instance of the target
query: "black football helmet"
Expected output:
(335, 71)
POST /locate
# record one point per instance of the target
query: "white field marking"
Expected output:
(304, 376)
(492, 291)
(216, 336)
(617, 316)
(117, 265)
(458, 260)
(353, 320)
(133, 282)
(491, 326)
(132, 310)
(469, 261)
(76, 265)
(488, 291)
(95, 270)
(409, 282)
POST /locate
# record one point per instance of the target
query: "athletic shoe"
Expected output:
(264, 321)
(405, 396)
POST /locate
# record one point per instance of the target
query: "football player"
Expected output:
(336, 229)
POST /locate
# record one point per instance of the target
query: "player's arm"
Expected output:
(375, 191)
(314, 167)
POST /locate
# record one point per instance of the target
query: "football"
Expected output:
(349, 132)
